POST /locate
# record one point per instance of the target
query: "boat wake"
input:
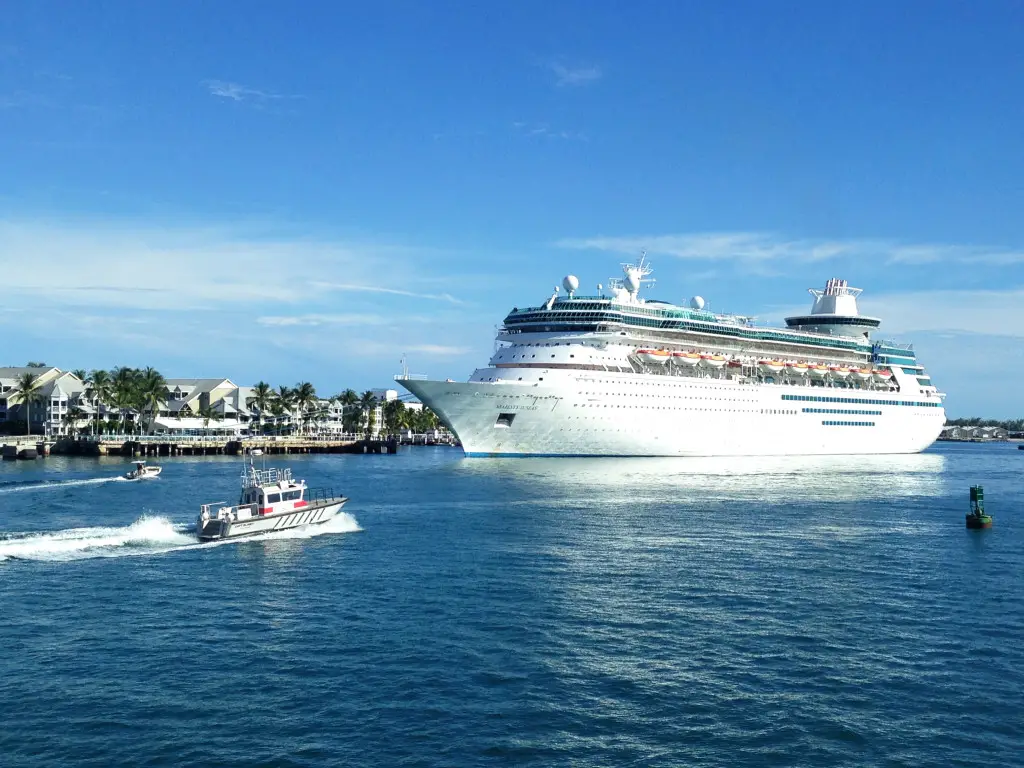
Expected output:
(49, 485)
(146, 536)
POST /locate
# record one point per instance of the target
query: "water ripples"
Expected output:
(576, 612)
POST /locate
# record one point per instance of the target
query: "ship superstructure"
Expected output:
(616, 374)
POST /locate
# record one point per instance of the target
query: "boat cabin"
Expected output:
(271, 491)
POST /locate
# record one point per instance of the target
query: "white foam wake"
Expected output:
(49, 485)
(146, 536)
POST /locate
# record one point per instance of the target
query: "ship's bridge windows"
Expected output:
(273, 498)
(291, 495)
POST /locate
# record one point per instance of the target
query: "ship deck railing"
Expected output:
(324, 495)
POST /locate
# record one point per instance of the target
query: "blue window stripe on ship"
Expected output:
(848, 423)
(847, 412)
(859, 401)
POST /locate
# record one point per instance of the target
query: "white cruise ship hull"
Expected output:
(651, 415)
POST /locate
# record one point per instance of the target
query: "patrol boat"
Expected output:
(271, 500)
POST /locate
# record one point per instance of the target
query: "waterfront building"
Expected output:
(58, 396)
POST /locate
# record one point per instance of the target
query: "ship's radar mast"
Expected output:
(635, 274)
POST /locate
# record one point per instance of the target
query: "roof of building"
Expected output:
(204, 384)
(15, 372)
(196, 423)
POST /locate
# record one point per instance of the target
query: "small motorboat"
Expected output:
(271, 500)
(143, 470)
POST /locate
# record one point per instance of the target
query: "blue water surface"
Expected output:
(728, 612)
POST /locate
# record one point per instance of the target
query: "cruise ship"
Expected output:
(618, 375)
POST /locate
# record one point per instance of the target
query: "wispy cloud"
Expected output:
(567, 75)
(392, 291)
(23, 99)
(284, 321)
(236, 92)
(197, 268)
(183, 296)
(544, 131)
(762, 248)
(990, 312)
(439, 350)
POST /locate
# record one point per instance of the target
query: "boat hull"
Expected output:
(214, 528)
(655, 415)
(152, 472)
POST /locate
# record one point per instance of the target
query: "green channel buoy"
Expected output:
(976, 518)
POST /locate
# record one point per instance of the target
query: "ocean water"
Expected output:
(706, 612)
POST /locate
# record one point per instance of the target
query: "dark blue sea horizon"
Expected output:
(702, 612)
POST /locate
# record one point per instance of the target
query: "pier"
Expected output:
(208, 445)
(26, 448)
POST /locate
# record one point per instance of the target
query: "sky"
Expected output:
(311, 192)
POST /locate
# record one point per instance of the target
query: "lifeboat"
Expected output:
(839, 371)
(882, 374)
(734, 364)
(797, 369)
(770, 366)
(817, 371)
(862, 374)
(688, 359)
(659, 356)
(712, 361)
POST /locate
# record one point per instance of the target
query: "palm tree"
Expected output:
(80, 374)
(285, 401)
(368, 407)
(304, 396)
(152, 392)
(27, 385)
(350, 413)
(394, 411)
(124, 386)
(98, 387)
(262, 396)
(206, 413)
(71, 419)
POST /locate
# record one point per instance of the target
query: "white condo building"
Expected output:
(620, 375)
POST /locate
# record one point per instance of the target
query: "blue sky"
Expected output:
(308, 192)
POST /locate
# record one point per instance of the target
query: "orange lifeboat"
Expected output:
(862, 374)
(818, 371)
(687, 359)
(771, 366)
(659, 356)
(882, 374)
(712, 361)
(839, 371)
(797, 369)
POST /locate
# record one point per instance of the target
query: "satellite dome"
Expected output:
(697, 302)
(570, 283)
(632, 281)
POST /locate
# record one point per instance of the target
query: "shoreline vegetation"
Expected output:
(129, 401)
(1010, 425)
